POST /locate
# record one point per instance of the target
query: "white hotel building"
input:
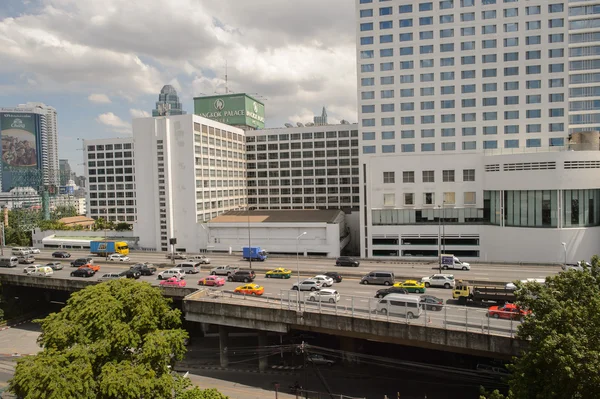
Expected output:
(465, 112)
(189, 170)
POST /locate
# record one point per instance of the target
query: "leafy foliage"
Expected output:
(563, 358)
(112, 340)
(122, 226)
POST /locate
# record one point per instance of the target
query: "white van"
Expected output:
(9, 261)
(20, 251)
(42, 271)
(189, 267)
(405, 305)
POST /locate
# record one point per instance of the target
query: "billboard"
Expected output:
(232, 109)
(19, 141)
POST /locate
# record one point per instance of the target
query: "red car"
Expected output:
(173, 282)
(213, 281)
(508, 311)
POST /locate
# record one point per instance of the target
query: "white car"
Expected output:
(579, 266)
(308, 285)
(33, 250)
(118, 257)
(110, 276)
(439, 280)
(324, 295)
(31, 269)
(325, 281)
(512, 286)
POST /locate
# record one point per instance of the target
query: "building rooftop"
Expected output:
(279, 216)
(78, 220)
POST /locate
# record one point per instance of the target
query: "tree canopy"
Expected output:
(563, 358)
(112, 340)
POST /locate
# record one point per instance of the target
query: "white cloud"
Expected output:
(99, 99)
(115, 123)
(138, 113)
(296, 58)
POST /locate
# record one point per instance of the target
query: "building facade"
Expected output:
(189, 170)
(311, 167)
(465, 110)
(236, 109)
(110, 173)
(29, 147)
(64, 171)
(322, 119)
(168, 102)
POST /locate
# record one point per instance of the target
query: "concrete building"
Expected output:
(311, 167)
(321, 120)
(29, 146)
(65, 171)
(110, 171)
(189, 170)
(67, 201)
(465, 109)
(168, 102)
(277, 231)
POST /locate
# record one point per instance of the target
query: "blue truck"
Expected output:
(108, 247)
(254, 253)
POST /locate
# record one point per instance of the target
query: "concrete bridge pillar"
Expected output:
(223, 343)
(348, 347)
(263, 361)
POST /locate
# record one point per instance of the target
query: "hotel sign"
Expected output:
(232, 109)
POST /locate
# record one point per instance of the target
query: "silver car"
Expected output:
(324, 295)
(55, 265)
(308, 285)
(439, 280)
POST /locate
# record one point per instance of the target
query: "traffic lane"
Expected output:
(160, 257)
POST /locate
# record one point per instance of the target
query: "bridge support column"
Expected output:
(223, 342)
(263, 361)
(348, 346)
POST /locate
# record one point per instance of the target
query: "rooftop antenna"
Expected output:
(226, 87)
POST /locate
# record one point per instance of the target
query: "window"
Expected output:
(511, 56)
(388, 52)
(404, 51)
(489, 73)
(488, 130)
(424, 49)
(468, 88)
(427, 91)
(368, 109)
(556, 112)
(388, 121)
(387, 11)
(533, 69)
(533, 10)
(556, 97)
(387, 108)
(449, 198)
(534, 84)
(387, 93)
(533, 143)
(469, 145)
(446, 4)
(488, 58)
(389, 177)
(427, 63)
(447, 33)
(534, 25)
(556, 82)
(556, 23)
(366, 13)
(492, 43)
(448, 176)
(366, 26)
(467, 3)
(409, 199)
(559, 38)
(407, 78)
(490, 116)
(511, 27)
(447, 104)
(449, 146)
(555, 68)
(367, 95)
(406, 37)
(467, 16)
(533, 55)
(469, 198)
(427, 133)
(511, 100)
(368, 149)
(534, 113)
(407, 148)
(367, 81)
(490, 144)
(386, 38)
(425, 21)
(407, 65)
(467, 45)
(511, 143)
(511, 12)
(404, 9)
(488, 29)
(446, 47)
(386, 80)
(468, 102)
(469, 131)
(447, 90)
(467, 31)
(511, 86)
(511, 129)
(366, 40)
(426, 105)
(368, 136)
(389, 199)
(531, 40)
(534, 99)
(556, 53)
(388, 149)
(426, 35)
(467, 74)
(448, 118)
(490, 101)
(470, 117)
(406, 23)
(388, 135)
(427, 147)
(508, 115)
(490, 14)
(367, 68)
(428, 198)
(386, 25)
(407, 106)
(408, 177)
(468, 174)
(449, 61)
(511, 42)
(511, 71)
(428, 176)
(426, 6)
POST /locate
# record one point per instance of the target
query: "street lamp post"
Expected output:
(249, 241)
(298, 264)
(439, 240)
(444, 225)
(564, 244)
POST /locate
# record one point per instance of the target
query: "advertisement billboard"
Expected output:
(19, 141)
(232, 109)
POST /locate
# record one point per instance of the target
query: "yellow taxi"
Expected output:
(412, 286)
(280, 272)
(250, 289)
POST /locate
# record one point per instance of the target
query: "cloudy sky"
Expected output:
(102, 63)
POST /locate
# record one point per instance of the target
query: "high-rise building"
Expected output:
(110, 173)
(65, 171)
(29, 146)
(321, 120)
(311, 167)
(465, 110)
(188, 170)
(168, 102)
(238, 109)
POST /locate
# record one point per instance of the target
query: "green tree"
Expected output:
(112, 340)
(563, 358)
(63, 211)
(122, 226)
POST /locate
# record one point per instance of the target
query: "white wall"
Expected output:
(278, 237)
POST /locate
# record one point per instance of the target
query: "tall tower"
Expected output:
(168, 102)
(321, 120)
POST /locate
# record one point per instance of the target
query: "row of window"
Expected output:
(466, 145)
(303, 190)
(451, 132)
(111, 155)
(212, 131)
(301, 154)
(486, 44)
(306, 200)
(303, 145)
(508, 27)
(508, 12)
(428, 176)
(449, 4)
(109, 147)
(306, 164)
(468, 103)
(301, 136)
(409, 199)
(303, 182)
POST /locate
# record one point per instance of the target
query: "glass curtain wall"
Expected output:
(580, 208)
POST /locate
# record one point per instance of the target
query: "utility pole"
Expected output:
(249, 240)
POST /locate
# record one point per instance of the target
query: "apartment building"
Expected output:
(465, 113)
